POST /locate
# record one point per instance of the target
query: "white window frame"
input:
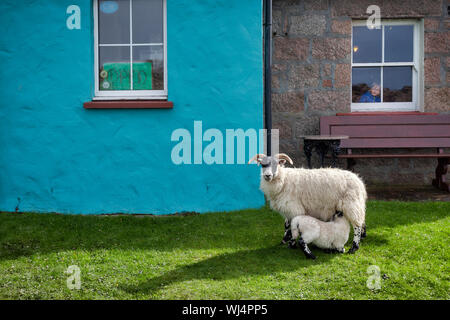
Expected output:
(128, 94)
(417, 70)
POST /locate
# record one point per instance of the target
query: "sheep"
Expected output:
(315, 192)
(331, 235)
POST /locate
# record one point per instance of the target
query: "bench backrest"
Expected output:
(389, 131)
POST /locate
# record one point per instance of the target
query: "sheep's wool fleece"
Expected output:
(318, 193)
(325, 235)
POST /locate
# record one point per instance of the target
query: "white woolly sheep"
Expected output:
(315, 192)
(332, 235)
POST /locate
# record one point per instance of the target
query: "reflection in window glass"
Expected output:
(114, 22)
(114, 70)
(398, 43)
(397, 84)
(366, 45)
(366, 84)
(148, 68)
(147, 21)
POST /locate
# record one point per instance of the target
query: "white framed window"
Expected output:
(387, 66)
(130, 39)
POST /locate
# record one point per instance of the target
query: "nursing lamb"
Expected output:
(332, 235)
(315, 192)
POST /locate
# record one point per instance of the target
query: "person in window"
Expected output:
(372, 95)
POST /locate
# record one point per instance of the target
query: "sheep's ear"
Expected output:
(282, 162)
(256, 158)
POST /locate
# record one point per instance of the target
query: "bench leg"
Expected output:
(322, 149)
(335, 150)
(350, 164)
(307, 148)
(441, 171)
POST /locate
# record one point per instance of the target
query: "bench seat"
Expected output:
(393, 131)
(361, 156)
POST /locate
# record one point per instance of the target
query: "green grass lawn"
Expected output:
(229, 255)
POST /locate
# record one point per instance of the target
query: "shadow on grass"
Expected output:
(372, 240)
(29, 234)
(264, 261)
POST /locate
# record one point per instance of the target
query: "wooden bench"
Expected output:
(393, 131)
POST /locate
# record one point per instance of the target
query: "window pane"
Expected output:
(147, 21)
(114, 72)
(398, 43)
(114, 22)
(148, 67)
(366, 84)
(397, 84)
(366, 45)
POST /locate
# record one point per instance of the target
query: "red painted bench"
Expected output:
(393, 131)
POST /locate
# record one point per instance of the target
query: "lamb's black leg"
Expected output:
(292, 244)
(363, 233)
(288, 235)
(356, 239)
(305, 248)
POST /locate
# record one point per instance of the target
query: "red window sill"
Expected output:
(128, 104)
(399, 113)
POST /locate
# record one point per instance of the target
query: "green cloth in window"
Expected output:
(117, 76)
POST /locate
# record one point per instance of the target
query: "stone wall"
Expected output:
(312, 73)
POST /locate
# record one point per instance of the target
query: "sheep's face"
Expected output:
(270, 165)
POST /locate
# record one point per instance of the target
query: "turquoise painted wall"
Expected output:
(58, 157)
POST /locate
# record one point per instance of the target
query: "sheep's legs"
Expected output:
(363, 232)
(302, 244)
(288, 235)
(356, 239)
(292, 244)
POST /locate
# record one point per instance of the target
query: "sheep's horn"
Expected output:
(256, 157)
(285, 157)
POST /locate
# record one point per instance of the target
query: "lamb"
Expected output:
(331, 235)
(317, 193)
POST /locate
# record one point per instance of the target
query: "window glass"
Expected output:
(141, 55)
(114, 22)
(398, 43)
(148, 67)
(366, 45)
(114, 71)
(397, 84)
(147, 21)
(366, 84)
(384, 66)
